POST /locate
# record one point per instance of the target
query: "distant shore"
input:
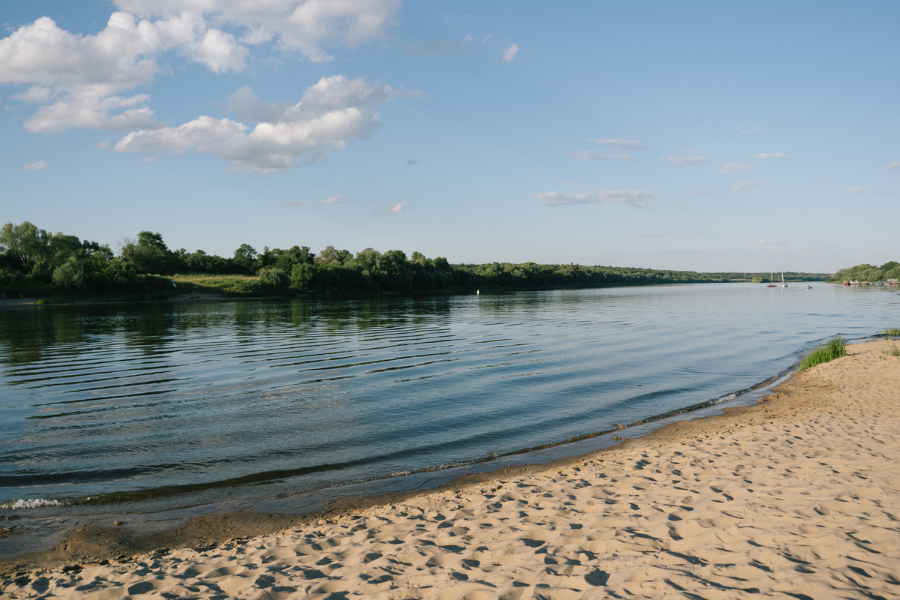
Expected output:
(795, 495)
(216, 296)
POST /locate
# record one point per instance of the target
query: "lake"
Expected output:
(173, 404)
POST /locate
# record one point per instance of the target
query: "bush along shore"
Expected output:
(35, 264)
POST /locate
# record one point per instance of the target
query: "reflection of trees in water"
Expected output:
(26, 335)
(30, 335)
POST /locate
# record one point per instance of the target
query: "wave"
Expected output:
(30, 503)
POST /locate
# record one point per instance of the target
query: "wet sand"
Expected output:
(796, 497)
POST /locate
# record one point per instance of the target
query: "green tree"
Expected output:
(245, 258)
(149, 254)
(274, 278)
(26, 243)
(330, 256)
(303, 277)
(70, 275)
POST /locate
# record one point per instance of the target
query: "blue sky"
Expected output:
(704, 136)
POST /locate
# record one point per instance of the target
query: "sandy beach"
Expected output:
(796, 497)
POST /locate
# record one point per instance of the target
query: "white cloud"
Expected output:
(35, 93)
(684, 161)
(80, 79)
(592, 155)
(395, 209)
(620, 144)
(632, 198)
(332, 113)
(509, 54)
(744, 186)
(77, 78)
(894, 166)
(854, 189)
(85, 109)
(411, 162)
(304, 26)
(335, 200)
(771, 155)
(297, 203)
(734, 167)
(37, 166)
(468, 38)
(150, 159)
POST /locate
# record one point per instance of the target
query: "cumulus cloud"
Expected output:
(684, 161)
(77, 78)
(36, 166)
(854, 189)
(770, 155)
(894, 166)
(733, 167)
(303, 26)
(633, 198)
(332, 113)
(592, 155)
(509, 54)
(620, 144)
(80, 79)
(744, 186)
(395, 209)
(84, 108)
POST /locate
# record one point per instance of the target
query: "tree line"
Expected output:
(37, 262)
(866, 272)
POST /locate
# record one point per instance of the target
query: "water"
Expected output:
(169, 405)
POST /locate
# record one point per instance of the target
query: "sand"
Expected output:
(797, 497)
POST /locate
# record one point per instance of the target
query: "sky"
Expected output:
(707, 136)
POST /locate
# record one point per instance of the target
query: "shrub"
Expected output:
(70, 275)
(274, 278)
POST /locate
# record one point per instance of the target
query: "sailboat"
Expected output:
(771, 276)
(783, 284)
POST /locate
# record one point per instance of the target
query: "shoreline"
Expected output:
(217, 296)
(141, 521)
(216, 534)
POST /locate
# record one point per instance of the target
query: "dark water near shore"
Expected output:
(104, 404)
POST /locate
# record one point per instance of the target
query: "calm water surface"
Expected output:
(135, 402)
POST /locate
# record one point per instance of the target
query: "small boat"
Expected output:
(783, 284)
(809, 287)
(771, 276)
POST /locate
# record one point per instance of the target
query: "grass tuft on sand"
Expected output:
(890, 332)
(836, 347)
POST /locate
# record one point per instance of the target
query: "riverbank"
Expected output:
(796, 496)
